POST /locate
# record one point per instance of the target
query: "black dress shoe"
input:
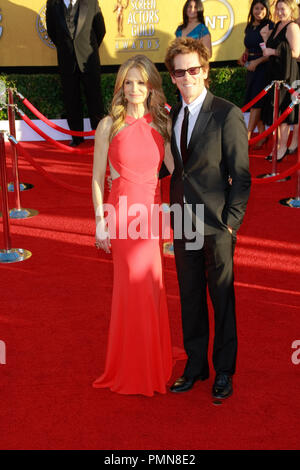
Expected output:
(222, 387)
(283, 156)
(76, 141)
(183, 384)
(269, 157)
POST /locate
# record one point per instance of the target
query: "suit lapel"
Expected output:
(83, 10)
(201, 122)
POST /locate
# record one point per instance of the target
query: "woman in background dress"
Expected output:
(255, 62)
(193, 25)
(294, 143)
(282, 49)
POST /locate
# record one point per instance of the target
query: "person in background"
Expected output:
(282, 49)
(255, 62)
(193, 25)
(294, 143)
(76, 27)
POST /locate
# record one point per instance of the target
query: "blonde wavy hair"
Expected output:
(155, 102)
(293, 6)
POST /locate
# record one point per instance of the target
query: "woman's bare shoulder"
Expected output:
(104, 126)
(293, 27)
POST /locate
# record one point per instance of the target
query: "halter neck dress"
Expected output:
(139, 354)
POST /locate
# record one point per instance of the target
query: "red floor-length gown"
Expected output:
(139, 354)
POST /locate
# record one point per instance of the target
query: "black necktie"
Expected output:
(184, 134)
(70, 7)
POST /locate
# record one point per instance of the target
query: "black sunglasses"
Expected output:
(181, 72)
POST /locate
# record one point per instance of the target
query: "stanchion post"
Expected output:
(277, 84)
(6, 227)
(21, 213)
(275, 132)
(12, 131)
(9, 254)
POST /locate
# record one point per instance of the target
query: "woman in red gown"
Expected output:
(134, 139)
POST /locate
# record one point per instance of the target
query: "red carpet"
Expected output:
(54, 317)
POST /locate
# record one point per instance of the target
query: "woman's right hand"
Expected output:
(251, 66)
(268, 51)
(243, 59)
(265, 33)
(102, 236)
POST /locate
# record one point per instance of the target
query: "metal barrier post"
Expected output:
(9, 254)
(275, 135)
(20, 213)
(15, 186)
(275, 132)
(12, 130)
(6, 228)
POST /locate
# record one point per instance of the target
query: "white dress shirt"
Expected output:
(67, 2)
(194, 110)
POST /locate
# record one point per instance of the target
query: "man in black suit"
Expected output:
(77, 28)
(210, 149)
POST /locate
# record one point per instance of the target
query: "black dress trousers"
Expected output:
(91, 85)
(211, 266)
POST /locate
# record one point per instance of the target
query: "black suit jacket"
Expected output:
(218, 148)
(90, 31)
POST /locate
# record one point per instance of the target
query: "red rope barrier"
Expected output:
(275, 124)
(271, 179)
(5, 210)
(266, 133)
(290, 89)
(257, 98)
(45, 173)
(54, 126)
(43, 118)
(45, 136)
(69, 187)
(263, 93)
(41, 170)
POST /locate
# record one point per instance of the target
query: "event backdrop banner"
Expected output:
(133, 26)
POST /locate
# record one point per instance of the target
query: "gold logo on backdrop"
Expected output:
(1, 28)
(42, 29)
(141, 20)
(119, 10)
(219, 18)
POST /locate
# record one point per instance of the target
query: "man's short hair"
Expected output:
(186, 46)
